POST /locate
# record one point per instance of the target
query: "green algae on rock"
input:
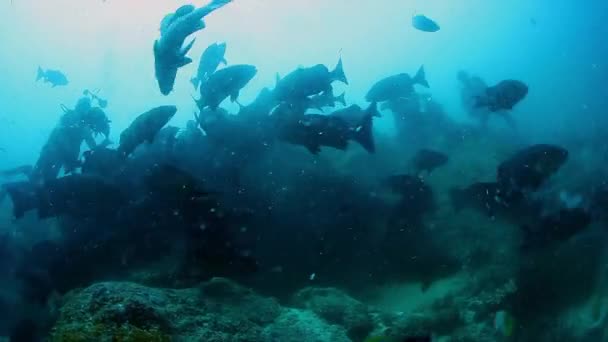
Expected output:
(336, 307)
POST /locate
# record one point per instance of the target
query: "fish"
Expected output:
(101, 161)
(556, 227)
(487, 197)
(224, 83)
(23, 196)
(210, 60)
(168, 137)
(79, 196)
(171, 182)
(529, 168)
(315, 130)
(144, 128)
(260, 107)
(417, 196)
(304, 82)
(171, 189)
(169, 50)
(502, 96)
(428, 160)
(354, 113)
(494, 201)
(424, 23)
(325, 99)
(75, 195)
(396, 86)
(54, 77)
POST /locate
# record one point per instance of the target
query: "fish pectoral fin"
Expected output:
(156, 48)
(313, 148)
(184, 61)
(234, 96)
(184, 50)
(224, 61)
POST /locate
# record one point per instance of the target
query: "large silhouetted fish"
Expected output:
(144, 128)
(170, 51)
(304, 82)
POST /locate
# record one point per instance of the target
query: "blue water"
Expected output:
(557, 48)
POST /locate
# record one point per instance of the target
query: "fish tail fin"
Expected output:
(338, 73)
(457, 199)
(364, 131)
(40, 74)
(341, 99)
(420, 77)
(23, 199)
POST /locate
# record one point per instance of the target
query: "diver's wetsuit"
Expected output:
(62, 149)
(472, 87)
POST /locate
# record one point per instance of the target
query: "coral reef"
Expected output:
(218, 310)
(336, 307)
(221, 310)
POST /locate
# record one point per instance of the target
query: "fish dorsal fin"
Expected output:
(166, 22)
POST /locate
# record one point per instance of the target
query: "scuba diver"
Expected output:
(470, 88)
(62, 149)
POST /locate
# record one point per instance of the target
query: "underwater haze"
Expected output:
(458, 191)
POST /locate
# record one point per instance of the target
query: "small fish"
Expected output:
(424, 24)
(211, 58)
(54, 77)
